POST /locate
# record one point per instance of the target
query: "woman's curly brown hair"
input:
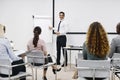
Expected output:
(97, 41)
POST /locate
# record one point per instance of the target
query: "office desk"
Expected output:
(70, 48)
(19, 52)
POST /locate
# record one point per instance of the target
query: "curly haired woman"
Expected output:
(96, 46)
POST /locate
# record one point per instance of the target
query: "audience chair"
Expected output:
(37, 57)
(6, 68)
(93, 69)
(115, 65)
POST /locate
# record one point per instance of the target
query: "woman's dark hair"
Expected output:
(118, 28)
(37, 31)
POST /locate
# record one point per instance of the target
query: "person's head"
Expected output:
(97, 41)
(61, 15)
(118, 28)
(2, 30)
(37, 31)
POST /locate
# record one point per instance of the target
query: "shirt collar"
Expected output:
(62, 20)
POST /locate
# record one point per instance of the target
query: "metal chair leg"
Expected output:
(35, 73)
(32, 72)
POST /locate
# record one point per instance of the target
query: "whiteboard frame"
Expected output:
(43, 17)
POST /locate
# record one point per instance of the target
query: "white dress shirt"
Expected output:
(63, 27)
(6, 51)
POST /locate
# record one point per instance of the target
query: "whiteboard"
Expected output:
(44, 22)
(81, 13)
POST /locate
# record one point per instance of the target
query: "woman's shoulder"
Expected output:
(84, 44)
(30, 40)
(41, 41)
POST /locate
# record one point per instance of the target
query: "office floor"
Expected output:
(64, 74)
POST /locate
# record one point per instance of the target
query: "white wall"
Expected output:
(81, 13)
(17, 16)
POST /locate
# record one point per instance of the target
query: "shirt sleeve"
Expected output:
(84, 52)
(112, 48)
(44, 46)
(55, 29)
(10, 51)
(65, 29)
(28, 45)
(3, 51)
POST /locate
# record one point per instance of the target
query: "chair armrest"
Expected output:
(5, 66)
(117, 59)
(31, 56)
(10, 66)
(40, 57)
(92, 68)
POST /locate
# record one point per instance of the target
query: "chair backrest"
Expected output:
(94, 68)
(80, 55)
(5, 70)
(116, 55)
(117, 49)
(116, 59)
(35, 56)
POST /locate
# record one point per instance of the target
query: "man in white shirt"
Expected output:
(61, 31)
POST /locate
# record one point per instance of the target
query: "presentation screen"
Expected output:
(81, 13)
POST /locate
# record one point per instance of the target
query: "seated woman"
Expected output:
(38, 44)
(115, 44)
(7, 53)
(96, 46)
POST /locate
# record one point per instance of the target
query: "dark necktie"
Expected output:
(59, 26)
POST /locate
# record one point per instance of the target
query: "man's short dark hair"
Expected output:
(62, 13)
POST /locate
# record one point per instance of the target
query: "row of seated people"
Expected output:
(96, 46)
(35, 43)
